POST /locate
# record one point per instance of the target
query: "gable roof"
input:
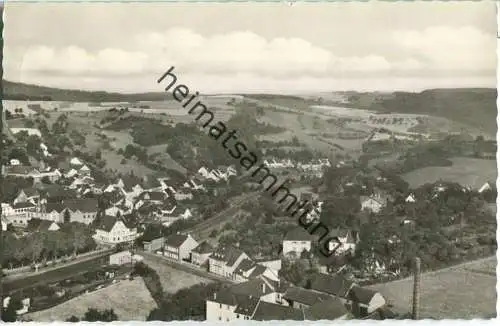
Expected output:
(175, 240)
(361, 295)
(298, 234)
(305, 296)
(255, 288)
(58, 207)
(107, 222)
(23, 205)
(270, 311)
(244, 266)
(153, 195)
(87, 205)
(203, 248)
(130, 181)
(30, 192)
(329, 309)
(246, 306)
(335, 285)
(258, 270)
(227, 254)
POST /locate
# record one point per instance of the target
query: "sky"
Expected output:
(251, 47)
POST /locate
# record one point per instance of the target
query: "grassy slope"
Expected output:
(13, 91)
(475, 107)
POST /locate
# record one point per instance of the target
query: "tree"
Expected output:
(73, 319)
(67, 216)
(9, 314)
(93, 314)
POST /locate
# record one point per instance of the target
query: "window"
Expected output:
(238, 316)
(220, 306)
(220, 318)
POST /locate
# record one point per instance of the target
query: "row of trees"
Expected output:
(42, 246)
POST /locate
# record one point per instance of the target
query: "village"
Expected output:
(62, 213)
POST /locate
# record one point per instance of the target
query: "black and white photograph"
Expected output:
(248, 161)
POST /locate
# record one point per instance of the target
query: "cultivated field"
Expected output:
(129, 299)
(466, 171)
(463, 291)
(172, 280)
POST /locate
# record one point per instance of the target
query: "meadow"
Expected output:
(130, 300)
(466, 171)
(462, 291)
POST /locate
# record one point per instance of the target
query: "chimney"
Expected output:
(416, 291)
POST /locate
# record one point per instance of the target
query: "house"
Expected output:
(183, 194)
(51, 212)
(224, 261)
(168, 216)
(296, 241)
(83, 210)
(329, 309)
(344, 241)
(113, 230)
(27, 195)
(364, 301)
(485, 187)
(336, 285)
(75, 162)
(81, 181)
(154, 197)
(131, 186)
(121, 258)
(239, 301)
(154, 245)
(371, 204)
(301, 298)
(248, 269)
(56, 193)
(410, 198)
(84, 170)
(21, 171)
(21, 213)
(37, 225)
(117, 210)
(14, 162)
(258, 299)
(200, 254)
(179, 246)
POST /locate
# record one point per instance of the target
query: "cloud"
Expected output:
(446, 48)
(436, 51)
(73, 60)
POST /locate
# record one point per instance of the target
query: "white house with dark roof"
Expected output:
(259, 299)
(81, 210)
(296, 241)
(249, 269)
(200, 254)
(27, 195)
(113, 230)
(179, 246)
(224, 261)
